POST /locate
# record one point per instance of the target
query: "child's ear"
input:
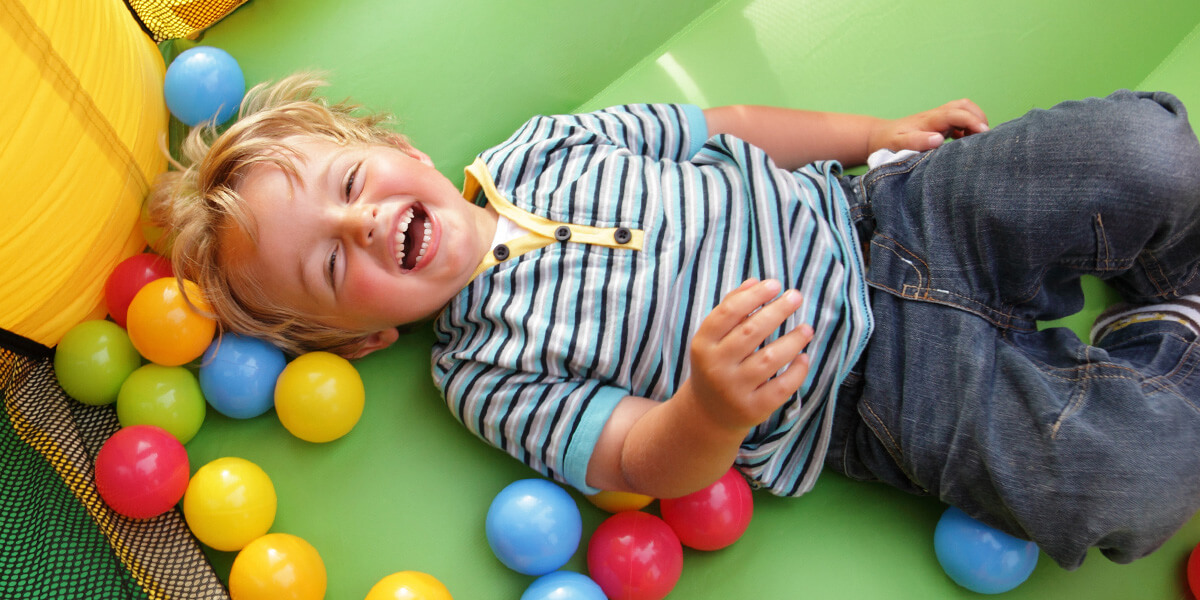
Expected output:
(417, 154)
(401, 143)
(375, 341)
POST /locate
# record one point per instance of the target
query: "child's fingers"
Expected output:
(735, 307)
(767, 361)
(776, 391)
(749, 335)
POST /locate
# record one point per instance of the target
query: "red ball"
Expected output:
(142, 471)
(128, 277)
(713, 517)
(1193, 571)
(635, 556)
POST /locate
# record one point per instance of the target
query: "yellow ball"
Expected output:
(409, 585)
(319, 397)
(277, 566)
(229, 502)
(164, 327)
(615, 502)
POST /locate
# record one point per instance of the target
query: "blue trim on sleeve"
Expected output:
(583, 441)
(697, 127)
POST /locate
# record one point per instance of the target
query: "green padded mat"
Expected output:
(408, 488)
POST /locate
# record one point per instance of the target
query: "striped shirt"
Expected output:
(638, 225)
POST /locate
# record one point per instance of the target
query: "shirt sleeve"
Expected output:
(550, 424)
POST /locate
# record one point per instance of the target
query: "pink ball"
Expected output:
(713, 517)
(142, 471)
(635, 556)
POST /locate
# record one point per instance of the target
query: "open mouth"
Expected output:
(413, 233)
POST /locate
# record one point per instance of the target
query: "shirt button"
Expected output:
(500, 252)
(563, 233)
(622, 235)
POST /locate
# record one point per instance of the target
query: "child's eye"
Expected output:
(333, 267)
(350, 177)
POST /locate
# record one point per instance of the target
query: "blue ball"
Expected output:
(533, 526)
(203, 83)
(238, 375)
(980, 558)
(563, 585)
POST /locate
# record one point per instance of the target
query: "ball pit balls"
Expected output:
(980, 558)
(1193, 571)
(93, 359)
(615, 502)
(167, 397)
(713, 517)
(533, 526)
(635, 556)
(563, 585)
(229, 502)
(319, 397)
(275, 566)
(128, 278)
(238, 375)
(141, 471)
(409, 585)
(204, 84)
(164, 327)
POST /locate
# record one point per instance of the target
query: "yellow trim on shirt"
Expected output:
(541, 230)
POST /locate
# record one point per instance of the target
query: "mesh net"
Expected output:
(57, 537)
(170, 19)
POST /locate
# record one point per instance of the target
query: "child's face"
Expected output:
(365, 238)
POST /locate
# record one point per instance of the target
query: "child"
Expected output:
(637, 298)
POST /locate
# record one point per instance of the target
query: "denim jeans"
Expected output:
(960, 396)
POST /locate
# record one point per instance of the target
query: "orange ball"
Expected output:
(277, 565)
(615, 502)
(164, 327)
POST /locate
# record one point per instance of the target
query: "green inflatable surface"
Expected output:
(408, 488)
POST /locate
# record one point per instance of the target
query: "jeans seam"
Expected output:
(890, 444)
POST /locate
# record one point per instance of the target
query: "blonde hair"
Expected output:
(197, 204)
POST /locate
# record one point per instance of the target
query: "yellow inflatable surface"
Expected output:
(83, 116)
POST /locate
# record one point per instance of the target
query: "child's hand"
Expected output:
(927, 130)
(737, 382)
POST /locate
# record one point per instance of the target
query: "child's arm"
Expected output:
(669, 449)
(794, 138)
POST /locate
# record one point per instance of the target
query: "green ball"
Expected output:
(168, 397)
(92, 361)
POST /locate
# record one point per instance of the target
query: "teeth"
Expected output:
(401, 230)
(402, 236)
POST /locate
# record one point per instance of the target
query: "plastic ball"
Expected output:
(1193, 571)
(93, 359)
(319, 397)
(275, 566)
(229, 502)
(980, 558)
(204, 84)
(563, 585)
(164, 327)
(167, 397)
(615, 502)
(238, 375)
(713, 517)
(141, 471)
(635, 556)
(128, 278)
(533, 526)
(409, 585)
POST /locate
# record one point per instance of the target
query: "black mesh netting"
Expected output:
(171, 19)
(57, 538)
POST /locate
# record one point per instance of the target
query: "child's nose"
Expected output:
(360, 222)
